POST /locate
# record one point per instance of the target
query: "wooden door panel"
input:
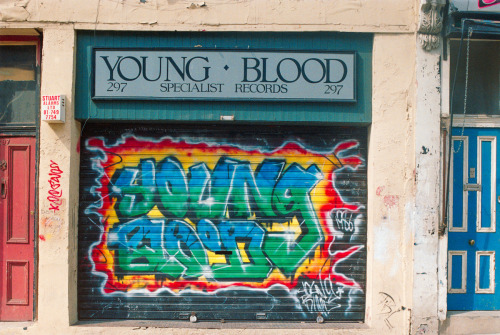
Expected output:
(17, 283)
(18, 195)
(17, 204)
(473, 235)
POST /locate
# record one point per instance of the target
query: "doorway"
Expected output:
(474, 239)
(19, 96)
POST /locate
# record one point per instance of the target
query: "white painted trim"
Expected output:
(442, 280)
(476, 121)
(493, 169)
(463, 287)
(465, 211)
(491, 288)
(445, 84)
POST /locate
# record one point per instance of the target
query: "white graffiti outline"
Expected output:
(358, 247)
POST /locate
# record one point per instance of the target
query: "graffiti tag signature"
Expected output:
(54, 193)
(388, 308)
(320, 295)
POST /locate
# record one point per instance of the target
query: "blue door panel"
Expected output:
(484, 271)
(456, 272)
(458, 171)
(473, 228)
(486, 185)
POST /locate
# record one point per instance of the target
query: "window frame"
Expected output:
(27, 128)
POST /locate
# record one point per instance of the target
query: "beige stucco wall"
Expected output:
(391, 181)
(340, 15)
(58, 144)
(391, 159)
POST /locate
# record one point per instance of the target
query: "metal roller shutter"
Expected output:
(235, 223)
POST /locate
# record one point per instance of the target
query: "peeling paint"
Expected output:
(14, 10)
(197, 5)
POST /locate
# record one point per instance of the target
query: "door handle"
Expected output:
(472, 242)
(3, 188)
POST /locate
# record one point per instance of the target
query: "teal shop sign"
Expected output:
(260, 97)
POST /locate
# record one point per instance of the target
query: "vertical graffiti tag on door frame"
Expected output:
(55, 194)
(181, 215)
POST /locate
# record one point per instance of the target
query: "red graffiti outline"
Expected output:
(112, 284)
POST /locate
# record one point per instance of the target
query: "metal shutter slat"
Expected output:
(234, 223)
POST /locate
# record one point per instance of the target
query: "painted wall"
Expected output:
(267, 15)
(391, 183)
(391, 143)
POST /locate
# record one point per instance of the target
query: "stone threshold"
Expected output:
(470, 322)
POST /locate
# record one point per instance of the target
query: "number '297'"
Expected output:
(333, 89)
(116, 86)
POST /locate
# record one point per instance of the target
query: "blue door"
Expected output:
(474, 240)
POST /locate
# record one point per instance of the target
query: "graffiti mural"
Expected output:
(186, 219)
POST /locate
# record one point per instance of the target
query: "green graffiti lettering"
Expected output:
(291, 197)
(199, 190)
(138, 248)
(172, 187)
(253, 264)
(182, 242)
(135, 189)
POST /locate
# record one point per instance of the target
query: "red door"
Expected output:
(17, 206)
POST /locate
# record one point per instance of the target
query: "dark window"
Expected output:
(483, 89)
(18, 83)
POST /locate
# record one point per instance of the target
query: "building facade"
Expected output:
(220, 166)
